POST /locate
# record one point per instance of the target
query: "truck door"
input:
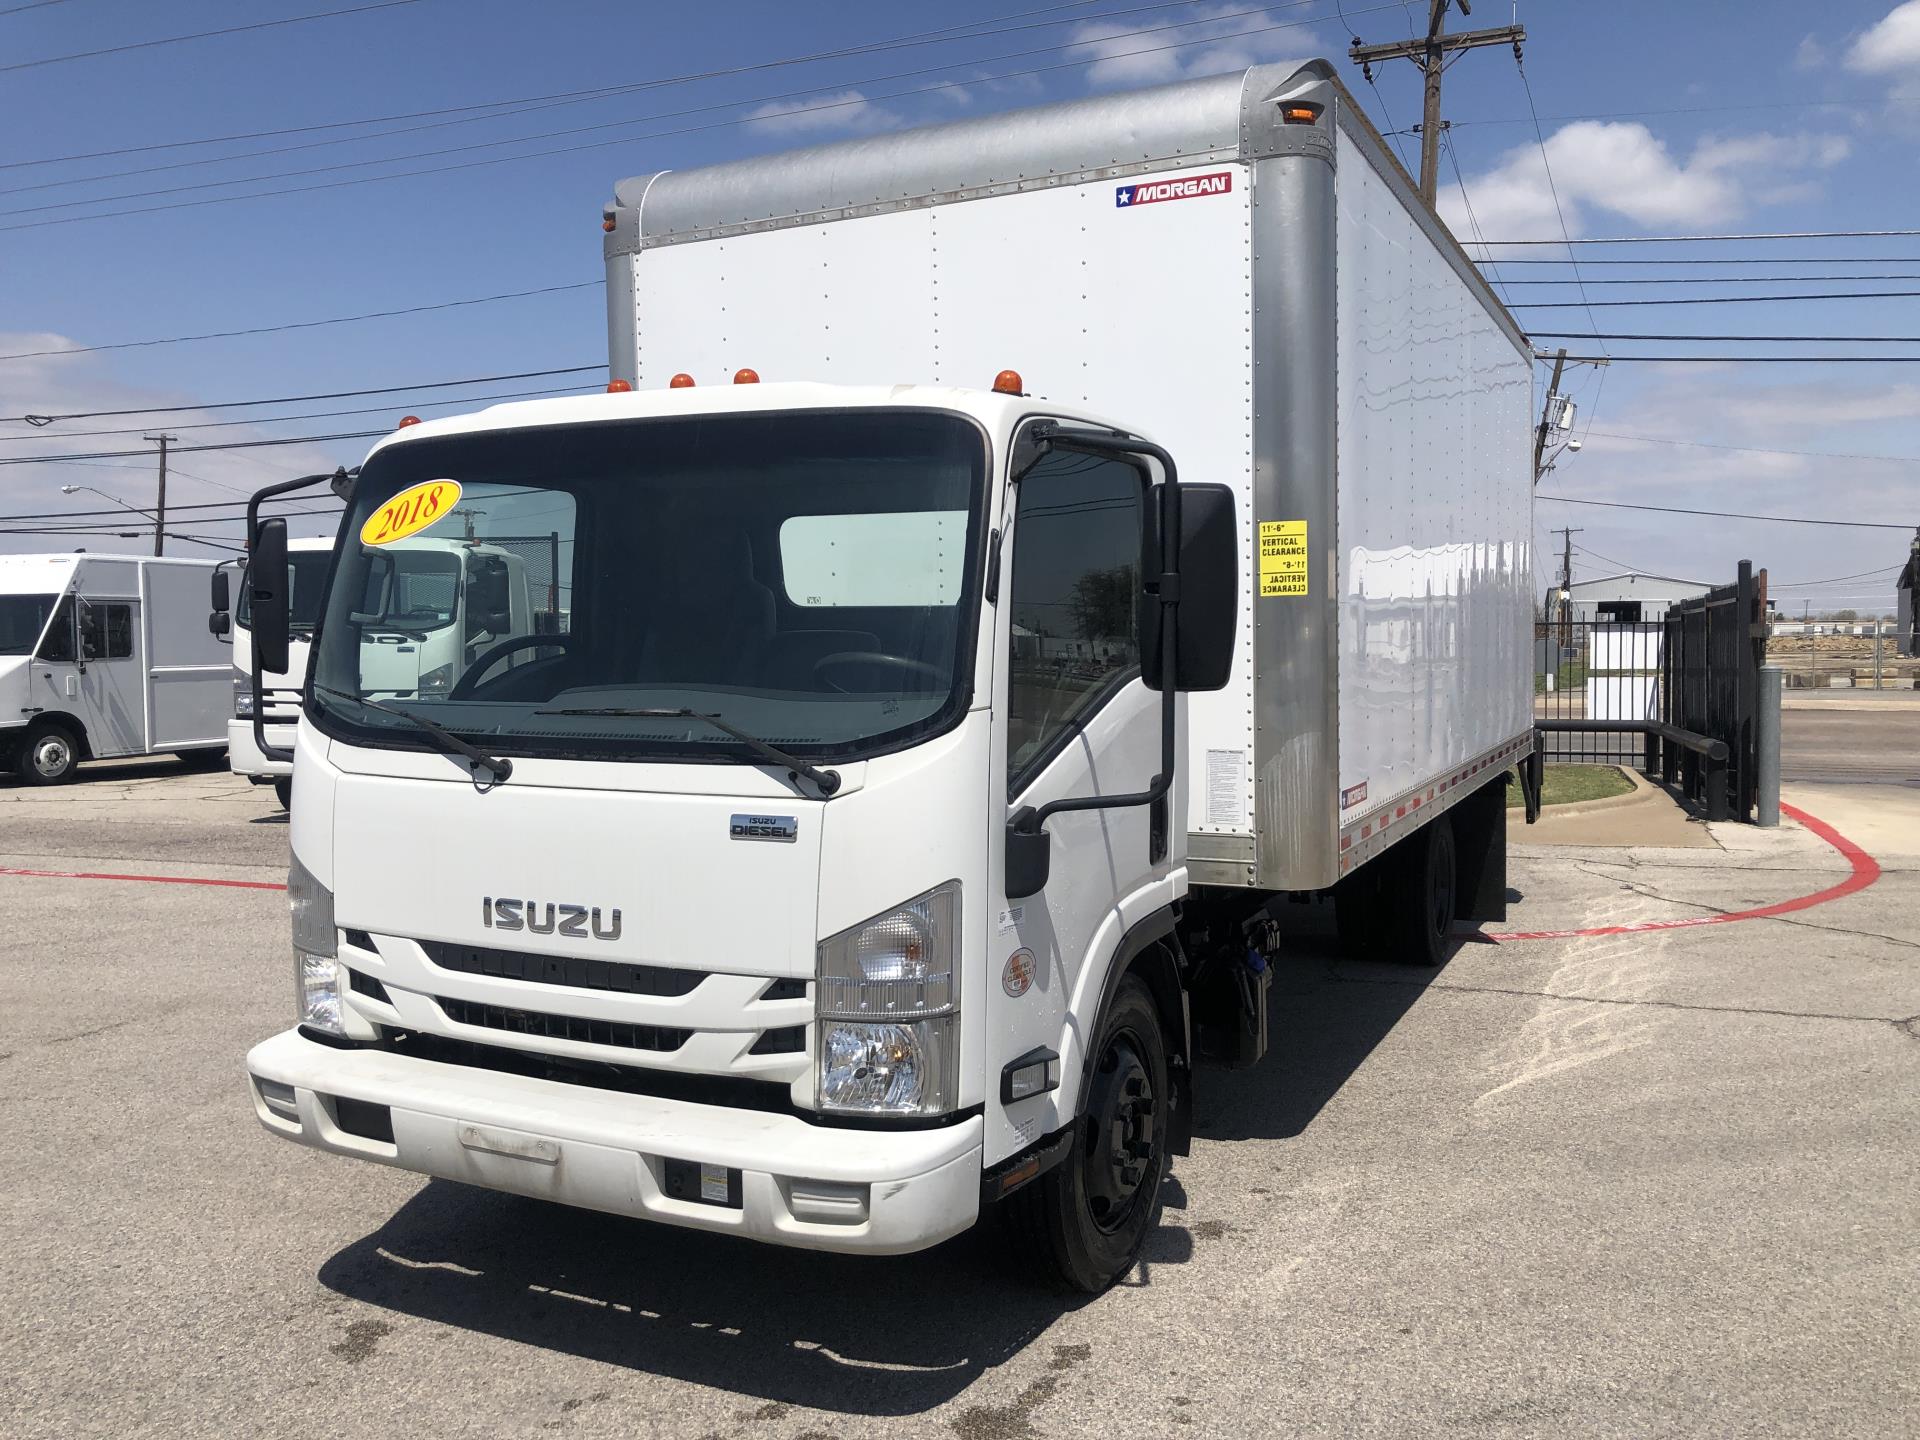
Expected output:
(55, 684)
(112, 682)
(1079, 722)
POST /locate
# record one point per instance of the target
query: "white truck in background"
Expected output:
(103, 657)
(434, 606)
(896, 825)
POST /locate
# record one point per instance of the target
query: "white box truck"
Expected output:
(894, 828)
(429, 619)
(103, 657)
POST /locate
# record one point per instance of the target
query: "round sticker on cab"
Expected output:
(1017, 976)
(410, 512)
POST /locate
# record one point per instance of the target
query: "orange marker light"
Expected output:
(1300, 114)
(1008, 382)
(746, 377)
(607, 224)
(406, 420)
(619, 387)
(682, 381)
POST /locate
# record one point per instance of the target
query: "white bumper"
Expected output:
(244, 757)
(881, 1192)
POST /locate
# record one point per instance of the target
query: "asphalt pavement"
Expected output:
(1641, 1183)
(1851, 737)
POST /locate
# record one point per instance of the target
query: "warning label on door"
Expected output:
(1283, 557)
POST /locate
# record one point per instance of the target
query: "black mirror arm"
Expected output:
(1166, 586)
(273, 752)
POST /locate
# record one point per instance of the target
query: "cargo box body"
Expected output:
(1263, 295)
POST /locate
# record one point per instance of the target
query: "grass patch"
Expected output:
(1565, 784)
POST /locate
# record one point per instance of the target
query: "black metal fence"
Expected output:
(1674, 697)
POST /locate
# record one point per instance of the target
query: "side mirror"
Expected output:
(1029, 856)
(1208, 613)
(220, 624)
(222, 591)
(268, 598)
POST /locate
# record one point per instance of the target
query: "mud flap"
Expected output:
(1480, 839)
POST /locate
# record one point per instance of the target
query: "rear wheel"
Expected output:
(48, 755)
(1085, 1220)
(283, 789)
(1428, 896)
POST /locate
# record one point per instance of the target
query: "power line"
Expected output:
(1836, 580)
(185, 449)
(297, 399)
(31, 5)
(1792, 339)
(1690, 279)
(308, 415)
(1732, 514)
(1691, 239)
(554, 99)
(1756, 450)
(1715, 300)
(302, 324)
(1714, 260)
(1741, 359)
(237, 507)
(1553, 189)
(785, 114)
(200, 35)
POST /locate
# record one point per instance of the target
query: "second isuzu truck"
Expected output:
(1017, 554)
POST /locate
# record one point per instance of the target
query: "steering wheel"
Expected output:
(469, 682)
(873, 657)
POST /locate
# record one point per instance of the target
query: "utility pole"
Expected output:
(160, 504)
(1566, 585)
(1546, 413)
(1430, 55)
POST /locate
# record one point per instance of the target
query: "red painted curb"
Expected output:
(147, 879)
(1865, 871)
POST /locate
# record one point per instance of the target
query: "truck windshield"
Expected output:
(806, 576)
(306, 587)
(22, 618)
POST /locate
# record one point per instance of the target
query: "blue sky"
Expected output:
(1795, 118)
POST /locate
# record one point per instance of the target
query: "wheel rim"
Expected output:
(1121, 1157)
(51, 756)
(1440, 897)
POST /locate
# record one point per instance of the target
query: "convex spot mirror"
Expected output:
(220, 621)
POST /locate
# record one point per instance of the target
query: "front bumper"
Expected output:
(244, 757)
(875, 1192)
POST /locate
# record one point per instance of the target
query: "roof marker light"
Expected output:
(1299, 114)
(1008, 382)
(619, 387)
(746, 377)
(406, 420)
(607, 223)
(682, 381)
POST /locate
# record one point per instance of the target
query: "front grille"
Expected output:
(787, 1040)
(368, 986)
(733, 1092)
(571, 971)
(564, 1027)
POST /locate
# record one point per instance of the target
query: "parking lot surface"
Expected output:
(1645, 1182)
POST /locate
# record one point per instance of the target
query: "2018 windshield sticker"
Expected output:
(410, 512)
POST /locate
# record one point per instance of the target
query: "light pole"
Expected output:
(76, 489)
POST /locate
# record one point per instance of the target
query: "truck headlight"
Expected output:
(888, 1011)
(316, 973)
(437, 681)
(242, 697)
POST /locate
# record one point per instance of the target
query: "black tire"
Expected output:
(1427, 885)
(283, 791)
(1085, 1220)
(49, 754)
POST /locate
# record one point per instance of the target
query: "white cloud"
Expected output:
(1622, 168)
(1810, 54)
(1124, 58)
(64, 384)
(1889, 46)
(839, 111)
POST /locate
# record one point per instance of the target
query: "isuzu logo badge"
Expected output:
(544, 917)
(764, 827)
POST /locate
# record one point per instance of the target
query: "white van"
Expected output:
(103, 656)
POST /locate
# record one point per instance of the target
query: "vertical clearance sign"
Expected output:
(1283, 557)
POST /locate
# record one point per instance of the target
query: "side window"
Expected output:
(106, 632)
(58, 644)
(1075, 601)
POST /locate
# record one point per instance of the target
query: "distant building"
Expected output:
(1908, 634)
(1628, 598)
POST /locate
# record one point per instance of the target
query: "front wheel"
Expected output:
(48, 756)
(283, 791)
(1086, 1219)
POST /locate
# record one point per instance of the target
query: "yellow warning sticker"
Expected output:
(1283, 557)
(410, 512)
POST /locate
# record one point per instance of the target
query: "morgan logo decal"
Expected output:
(546, 918)
(1353, 795)
(1188, 187)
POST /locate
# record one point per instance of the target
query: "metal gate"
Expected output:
(1710, 684)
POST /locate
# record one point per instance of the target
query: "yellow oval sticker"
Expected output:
(410, 512)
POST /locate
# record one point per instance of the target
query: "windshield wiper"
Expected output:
(827, 780)
(499, 766)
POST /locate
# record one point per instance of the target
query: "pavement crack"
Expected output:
(1616, 1000)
